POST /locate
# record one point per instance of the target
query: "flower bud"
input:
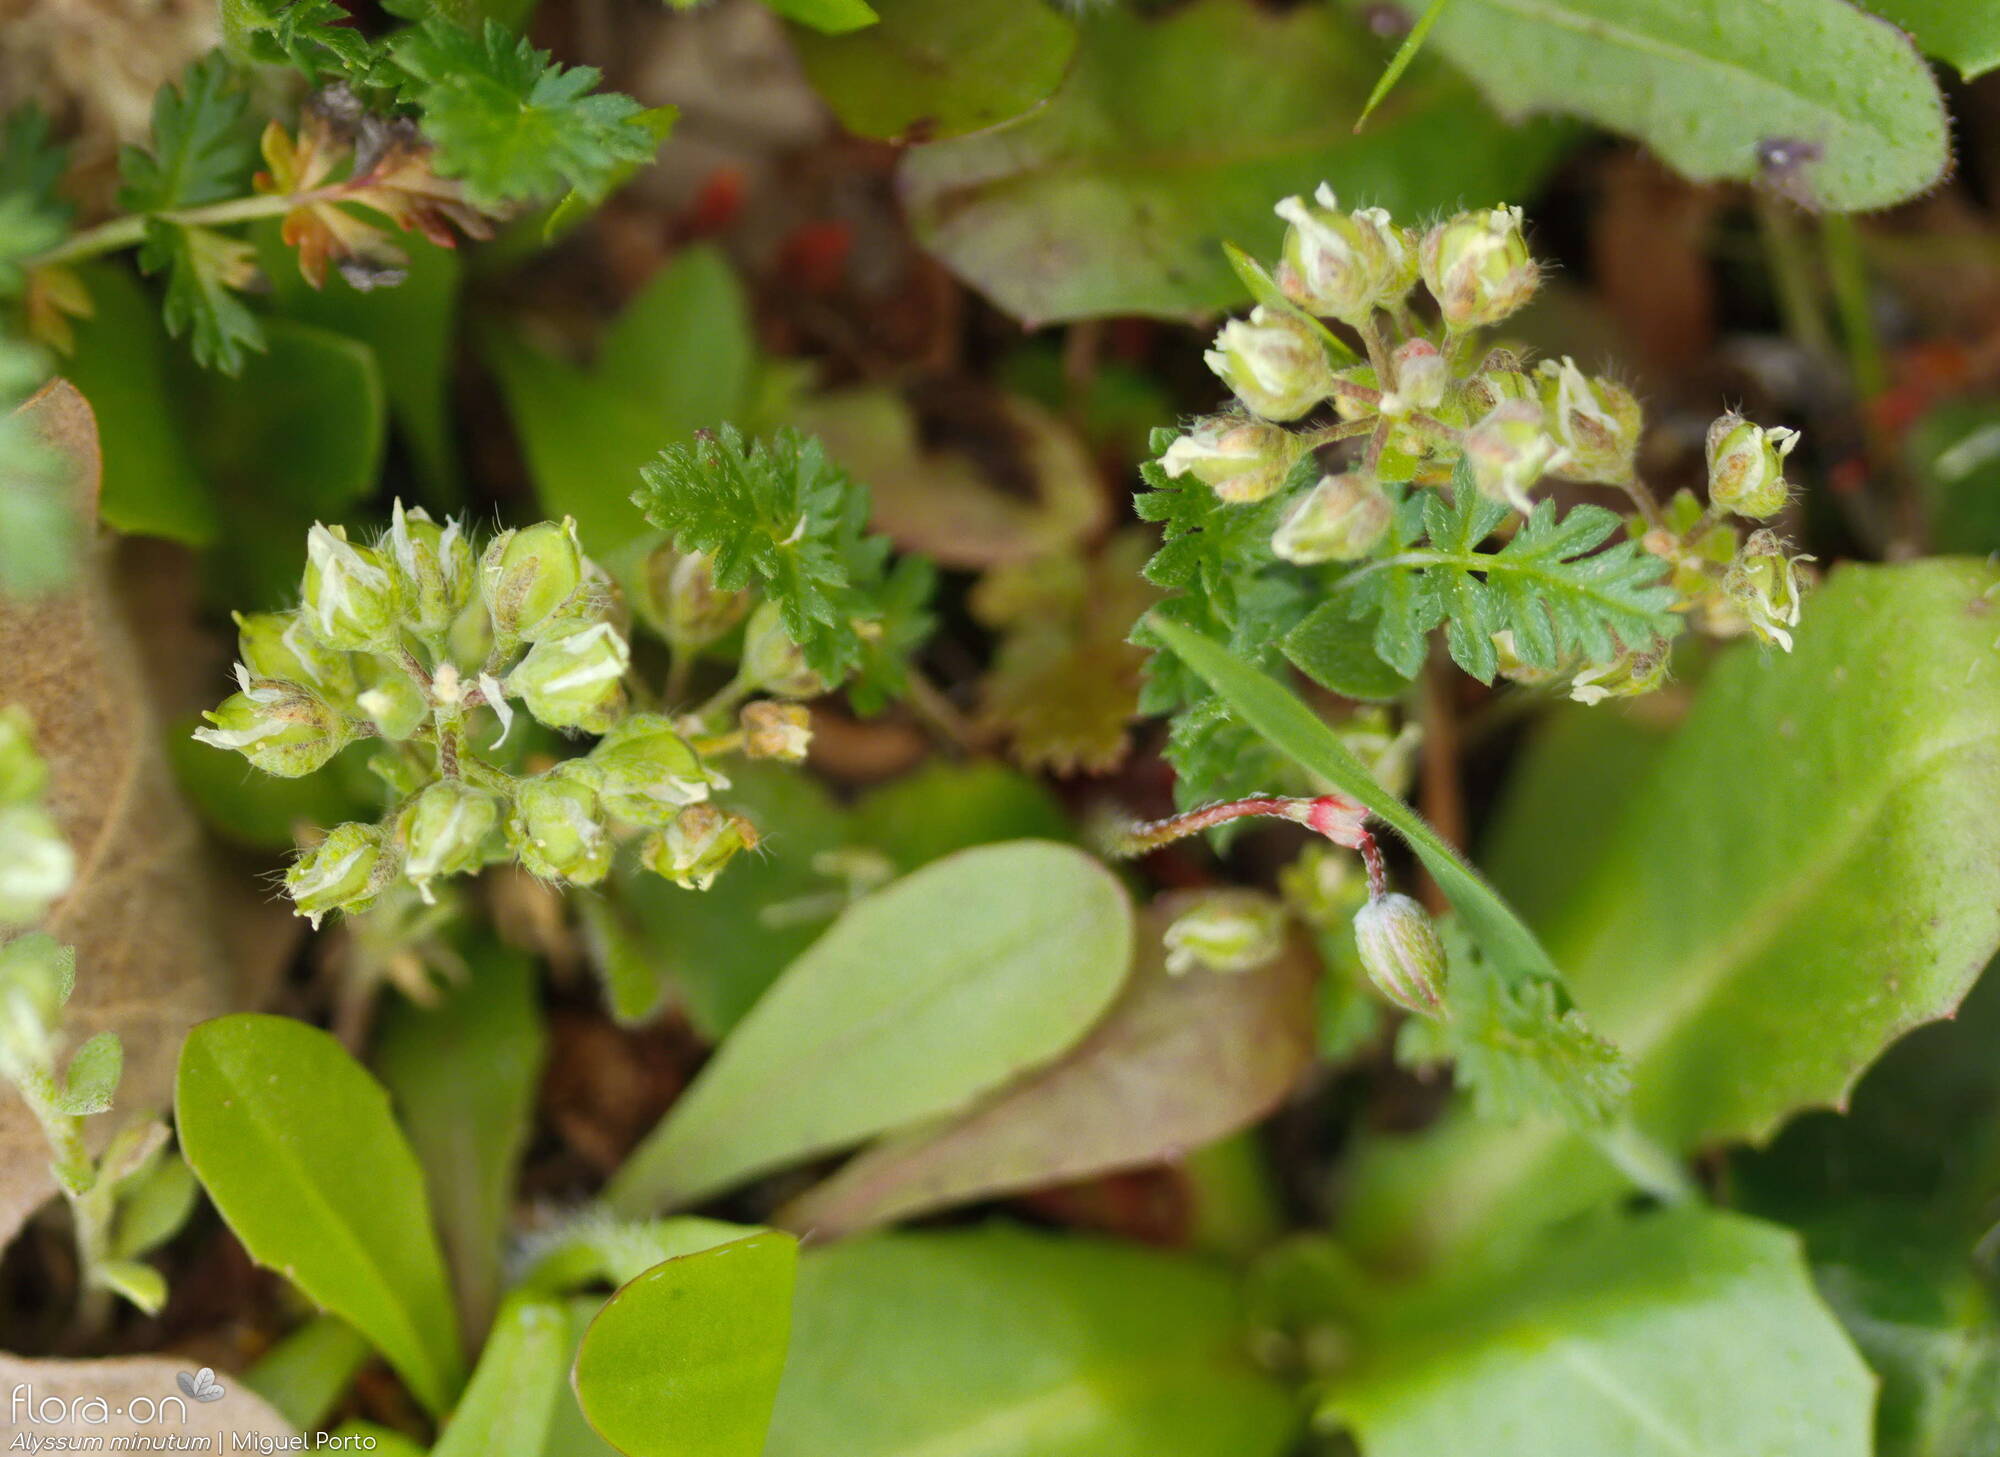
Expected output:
(574, 680)
(1421, 375)
(1763, 584)
(1230, 931)
(774, 663)
(696, 844)
(394, 704)
(1401, 952)
(1631, 674)
(36, 863)
(775, 730)
(445, 832)
(281, 645)
(1477, 267)
(1243, 460)
(281, 728)
(351, 601)
(682, 601)
(23, 775)
(1341, 519)
(1508, 452)
(1491, 388)
(646, 773)
(1343, 264)
(530, 576)
(1274, 363)
(557, 826)
(1595, 421)
(343, 872)
(434, 566)
(1746, 471)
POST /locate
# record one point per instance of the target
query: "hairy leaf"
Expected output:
(1967, 36)
(204, 268)
(201, 149)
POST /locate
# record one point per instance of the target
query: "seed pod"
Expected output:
(1242, 459)
(343, 872)
(281, 728)
(774, 730)
(1343, 264)
(445, 832)
(574, 680)
(434, 566)
(1341, 519)
(1477, 267)
(1746, 465)
(1274, 362)
(1508, 452)
(646, 773)
(557, 827)
(1631, 674)
(1595, 421)
(1228, 931)
(1763, 585)
(351, 601)
(1401, 952)
(772, 662)
(281, 646)
(682, 602)
(694, 847)
(530, 576)
(394, 704)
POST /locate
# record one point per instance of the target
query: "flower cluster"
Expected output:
(426, 644)
(1338, 439)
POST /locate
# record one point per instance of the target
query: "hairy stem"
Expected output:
(127, 231)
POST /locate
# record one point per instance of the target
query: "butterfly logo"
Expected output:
(202, 1385)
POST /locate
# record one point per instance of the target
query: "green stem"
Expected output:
(1849, 273)
(725, 698)
(1793, 278)
(127, 231)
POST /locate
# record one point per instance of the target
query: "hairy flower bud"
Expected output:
(281, 645)
(1421, 374)
(1274, 363)
(1344, 264)
(772, 662)
(696, 844)
(1341, 519)
(1508, 452)
(1746, 465)
(531, 576)
(682, 602)
(1763, 584)
(1595, 421)
(281, 728)
(1401, 952)
(1493, 387)
(445, 832)
(36, 863)
(775, 730)
(647, 773)
(1477, 267)
(574, 680)
(1243, 460)
(394, 704)
(1230, 930)
(351, 601)
(1631, 674)
(343, 872)
(434, 565)
(557, 827)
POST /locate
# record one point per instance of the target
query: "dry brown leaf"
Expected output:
(60, 1399)
(148, 965)
(1176, 1064)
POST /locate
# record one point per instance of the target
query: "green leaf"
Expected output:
(1178, 1063)
(204, 268)
(305, 1374)
(511, 123)
(370, 1437)
(31, 165)
(1174, 133)
(1660, 1336)
(579, 203)
(510, 1402)
(125, 367)
(1275, 713)
(1711, 84)
(1329, 648)
(141, 1284)
(92, 1076)
(1006, 953)
(935, 71)
(597, 1249)
(25, 230)
(1807, 871)
(949, 805)
(1005, 1343)
(1954, 453)
(1400, 62)
(1966, 36)
(830, 17)
(152, 1209)
(684, 1361)
(464, 1077)
(294, 1143)
(38, 529)
(201, 150)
